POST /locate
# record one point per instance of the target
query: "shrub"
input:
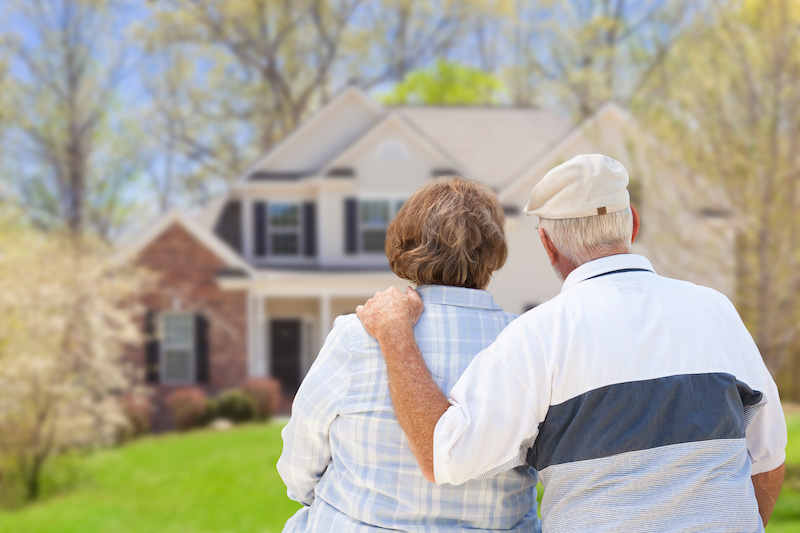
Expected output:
(189, 407)
(138, 413)
(265, 394)
(235, 405)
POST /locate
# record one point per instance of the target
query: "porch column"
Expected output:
(264, 364)
(252, 330)
(324, 318)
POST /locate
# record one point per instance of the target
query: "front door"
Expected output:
(284, 349)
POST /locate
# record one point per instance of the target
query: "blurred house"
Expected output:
(251, 286)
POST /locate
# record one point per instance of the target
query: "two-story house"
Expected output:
(251, 286)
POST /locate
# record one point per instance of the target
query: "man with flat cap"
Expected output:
(642, 401)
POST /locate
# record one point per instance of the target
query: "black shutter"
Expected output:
(309, 229)
(151, 347)
(260, 233)
(201, 347)
(350, 225)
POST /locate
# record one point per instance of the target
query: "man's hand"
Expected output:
(390, 312)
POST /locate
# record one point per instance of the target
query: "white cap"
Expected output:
(586, 185)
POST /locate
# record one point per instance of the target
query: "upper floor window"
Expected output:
(177, 348)
(375, 216)
(284, 227)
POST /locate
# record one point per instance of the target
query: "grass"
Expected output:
(222, 482)
(786, 517)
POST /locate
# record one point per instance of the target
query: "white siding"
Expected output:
(326, 137)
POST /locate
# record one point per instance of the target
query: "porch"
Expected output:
(289, 319)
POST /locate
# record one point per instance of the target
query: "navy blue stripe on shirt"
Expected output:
(641, 415)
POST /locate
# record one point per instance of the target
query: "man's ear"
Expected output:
(636, 222)
(549, 247)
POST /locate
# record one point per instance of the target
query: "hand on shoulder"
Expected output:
(390, 311)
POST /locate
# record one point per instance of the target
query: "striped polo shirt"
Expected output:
(642, 401)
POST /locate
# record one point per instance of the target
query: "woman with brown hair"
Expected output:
(345, 457)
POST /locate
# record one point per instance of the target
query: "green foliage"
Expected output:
(234, 405)
(446, 83)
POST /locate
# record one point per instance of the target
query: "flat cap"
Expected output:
(585, 186)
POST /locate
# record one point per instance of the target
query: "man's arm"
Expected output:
(767, 487)
(418, 402)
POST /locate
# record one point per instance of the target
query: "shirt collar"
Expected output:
(605, 265)
(457, 296)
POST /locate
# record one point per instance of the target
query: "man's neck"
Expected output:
(565, 269)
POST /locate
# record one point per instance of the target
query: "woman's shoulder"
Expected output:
(349, 327)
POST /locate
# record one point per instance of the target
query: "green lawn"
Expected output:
(223, 483)
(786, 517)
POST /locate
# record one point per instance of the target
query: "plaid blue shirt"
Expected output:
(345, 457)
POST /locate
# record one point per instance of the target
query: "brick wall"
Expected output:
(186, 272)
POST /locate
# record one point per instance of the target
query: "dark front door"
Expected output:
(284, 349)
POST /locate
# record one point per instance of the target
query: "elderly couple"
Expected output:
(641, 402)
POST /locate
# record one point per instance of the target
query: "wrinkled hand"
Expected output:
(390, 311)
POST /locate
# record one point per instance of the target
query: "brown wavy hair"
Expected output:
(450, 232)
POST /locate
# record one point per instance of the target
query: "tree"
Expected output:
(446, 83)
(724, 107)
(578, 54)
(228, 80)
(72, 155)
(66, 315)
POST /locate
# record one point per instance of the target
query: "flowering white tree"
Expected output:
(67, 312)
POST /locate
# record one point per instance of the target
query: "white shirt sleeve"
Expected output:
(306, 445)
(766, 435)
(496, 408)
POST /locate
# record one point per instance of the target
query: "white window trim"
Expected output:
(163, 346)
(270, 258)
(393, 200)
(283, 230)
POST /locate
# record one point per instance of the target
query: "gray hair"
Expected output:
(583, 239)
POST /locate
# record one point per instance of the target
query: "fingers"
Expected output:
(359, 310)
(413, 293)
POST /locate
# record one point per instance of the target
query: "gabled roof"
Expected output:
(210, 241)
(491, 144)
(534, 170)
(296, 136)
(392, 119)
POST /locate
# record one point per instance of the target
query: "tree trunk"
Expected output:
(33, 480)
